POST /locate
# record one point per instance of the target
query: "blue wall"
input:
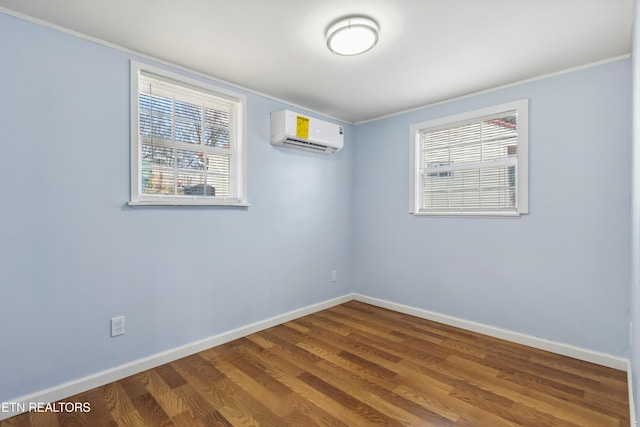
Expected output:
(561, 272)
(73, 255)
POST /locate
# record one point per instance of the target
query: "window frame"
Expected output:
(475, 116)
(238, 155)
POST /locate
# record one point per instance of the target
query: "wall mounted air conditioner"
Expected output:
(293, 130)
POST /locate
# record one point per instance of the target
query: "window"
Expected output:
(187, 141)
(471, 164)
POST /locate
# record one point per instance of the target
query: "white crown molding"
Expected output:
(144, 56)
(501, 87)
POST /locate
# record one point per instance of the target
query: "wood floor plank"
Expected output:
(122, 408)
(353, 345)
(151, 412)
(367, 412)
(232, 402)
(342, 373)
(561, 407)
(197, 406)
(276, 402)
(329, 403)
(44, 420)
(358, 365)
(214, 419)
(100, 411)
(475, 417)
(532, 417)
(301, 398)
(171, 402)
(375, 392)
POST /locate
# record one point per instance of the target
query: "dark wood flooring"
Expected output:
(358, 365)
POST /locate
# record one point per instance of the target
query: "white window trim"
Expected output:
(139, 199)
(522, 188)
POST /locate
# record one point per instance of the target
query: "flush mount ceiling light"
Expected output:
(352, 36)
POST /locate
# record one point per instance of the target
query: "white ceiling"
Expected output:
(429, 50)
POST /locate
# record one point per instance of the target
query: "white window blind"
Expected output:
(190, 145)
(473, 164)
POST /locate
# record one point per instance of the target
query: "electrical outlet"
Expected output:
(117, 326)
(334, 276)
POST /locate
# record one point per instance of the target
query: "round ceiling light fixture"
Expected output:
(352, 36)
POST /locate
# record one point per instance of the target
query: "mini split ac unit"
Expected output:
(293, 130)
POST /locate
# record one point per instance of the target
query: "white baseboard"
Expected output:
(81, 385)
(71, 388)
(632, 407)
(603, 359)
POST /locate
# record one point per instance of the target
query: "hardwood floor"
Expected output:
(358, 365)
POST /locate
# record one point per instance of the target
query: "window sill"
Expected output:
(469, 214)
(191, 202)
